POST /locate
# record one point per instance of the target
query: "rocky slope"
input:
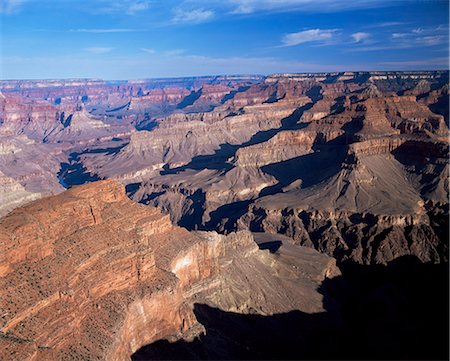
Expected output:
(89, 274)
(45, 104)
(228, 153)
(174, 144)
(13, 194)
(43, 122)
(28, 170)
(343, 168)
(370, 161)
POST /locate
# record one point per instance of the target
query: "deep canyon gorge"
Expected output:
(285, 216)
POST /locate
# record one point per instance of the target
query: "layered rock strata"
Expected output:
(89, 274)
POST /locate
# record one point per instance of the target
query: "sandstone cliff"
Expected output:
(89, 274)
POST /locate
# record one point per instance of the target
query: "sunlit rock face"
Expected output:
(90, 274)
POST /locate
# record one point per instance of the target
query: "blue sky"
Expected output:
(131, 39)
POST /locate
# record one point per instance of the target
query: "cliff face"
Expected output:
(90, 274)
(13, 194)
(211, 152)
(28, 170)
(43, 122)
(284, 145)
(73, 265)
(365, 238)
(39, 107)
(178, 139)
(359, 146)
(350, 165)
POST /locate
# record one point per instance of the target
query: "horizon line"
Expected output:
(224, 75)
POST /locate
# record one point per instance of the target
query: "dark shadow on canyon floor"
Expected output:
(399, 311)
(219, 160)
(73, 172)
(272, 246)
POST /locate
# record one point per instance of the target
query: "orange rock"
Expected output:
(89, 274)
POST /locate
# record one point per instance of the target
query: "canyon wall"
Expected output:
(89, 274)
(216, 153)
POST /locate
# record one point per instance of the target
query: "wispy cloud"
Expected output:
(9, 7)
(421, 37)
(99, 31)
(129, 7)
(252, 6)
(386, 24)
(407, 39)
(307, 36)
(194, 16)
(399, 35)
(441, 61)
(175, 52)
(98, 50)
(430, 40)
(376, 48)
(137, 6)
(360, 37)
(148, 51)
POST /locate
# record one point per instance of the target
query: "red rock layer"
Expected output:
(89, 274)
(80, 271)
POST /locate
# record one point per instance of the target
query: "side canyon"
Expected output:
(225, 217)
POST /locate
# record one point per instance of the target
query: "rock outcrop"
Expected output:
(354, 149)
(89, 274)
(211, 152)
(28, 170)
(13, 194)
(174, 145)
(346, 167)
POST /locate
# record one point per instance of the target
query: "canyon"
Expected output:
(225, 217)
(70, 308)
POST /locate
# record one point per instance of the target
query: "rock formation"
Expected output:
(363, 154)
(89, 274)
(297, 173)
(225, 153)
(28, 170)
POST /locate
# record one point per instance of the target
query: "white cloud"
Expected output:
(244, 7)
(9, 7)
(252, 6)
(82, 65)
(194, 16)
(95, 31)
(430, 40)
(307, 36)
(175, 52)
(386, 24)
(137, 6)
(399, 35)
(420, 37)
(148, 51)
(360, 37)
(129, 7)
(98, 50)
